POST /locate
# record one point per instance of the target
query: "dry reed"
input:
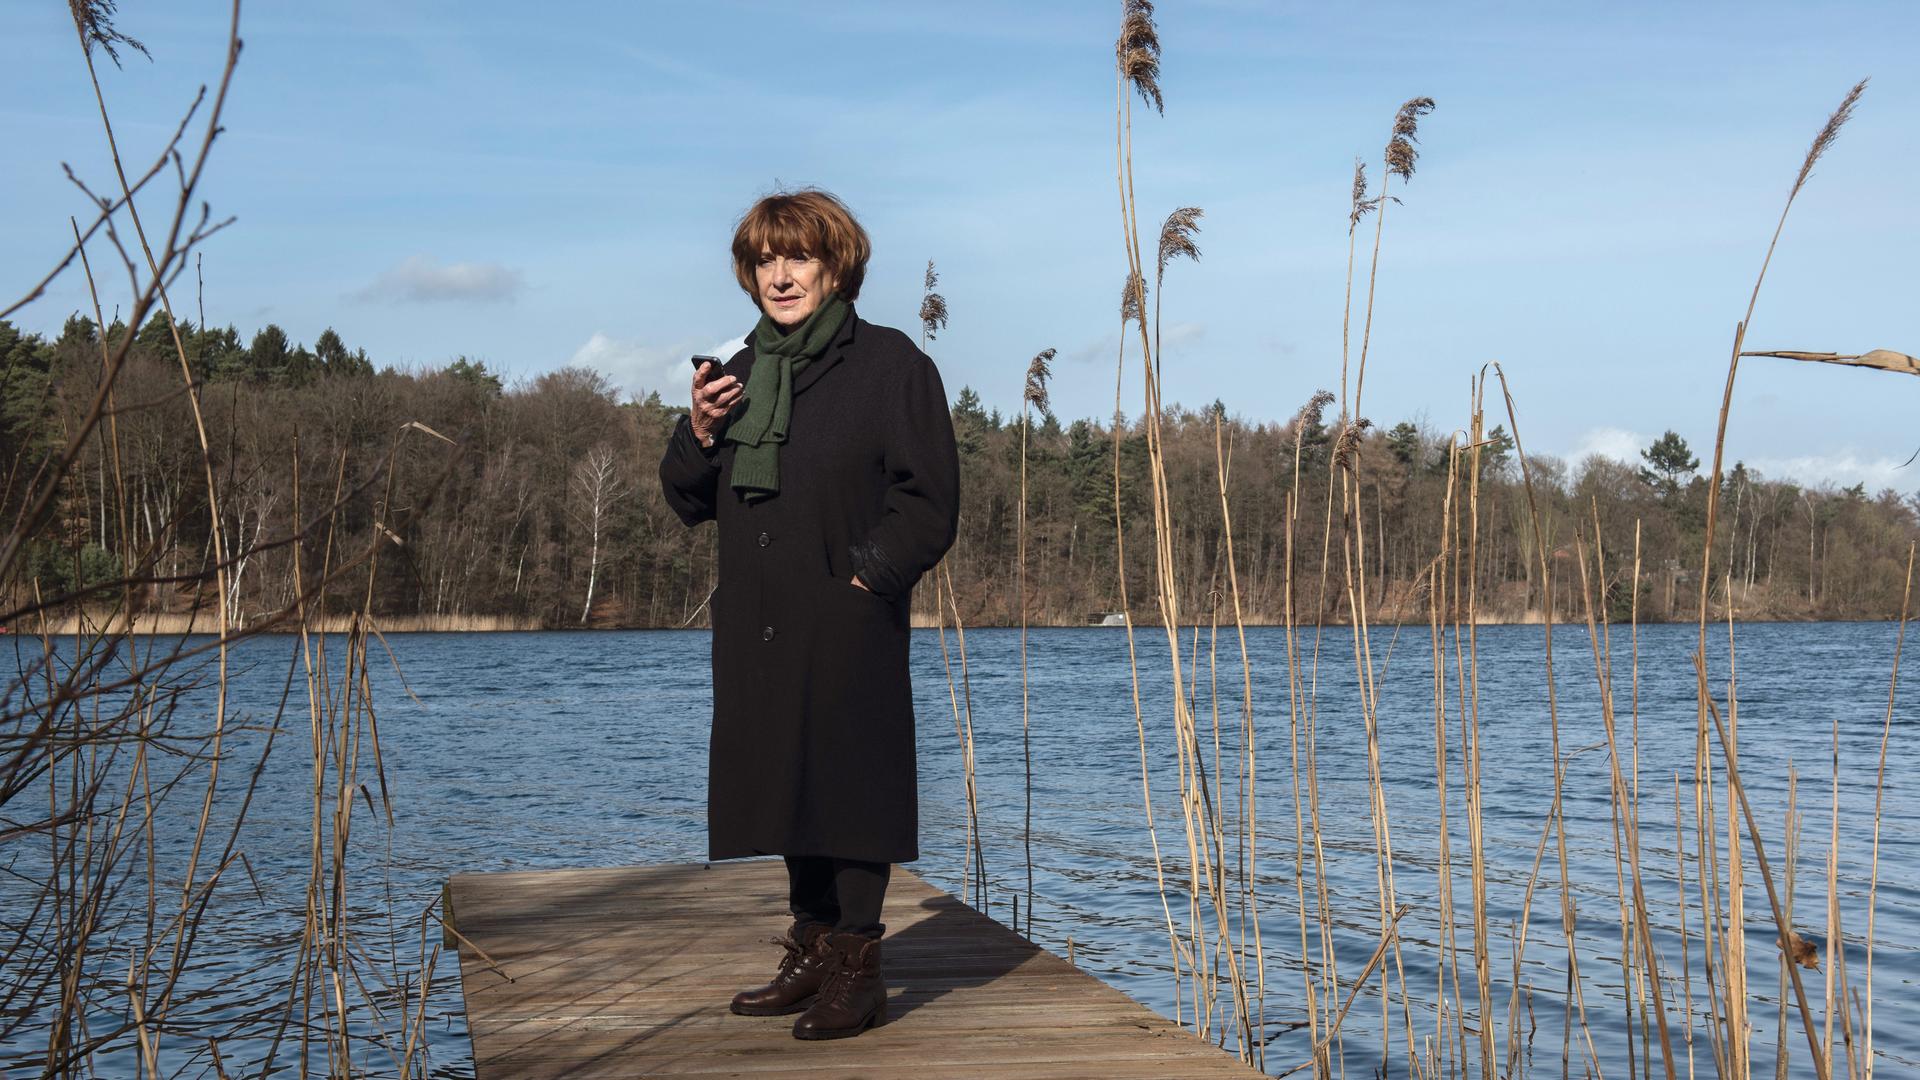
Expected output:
(1210, 904)
(121, 906)
(1217, 958)
(1033, 396)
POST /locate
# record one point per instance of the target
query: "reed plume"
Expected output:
(1314, 412)
(1133, 296)
(1176, 239)
(94, 20)
(1400, 158)
(1176, 242)
(1039, 370)
(933, 308)
(1828, 133)
(1401, 154)
(1362, 206)
(1138, 51)
(1348, 444)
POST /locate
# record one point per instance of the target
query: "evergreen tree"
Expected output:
(1403, 442)
(156, 337)
(1497, 456)
(301, 369)
(335, 362)
(331, 353)
(217, 354)
(267, 356)
(474, 373)
(969, 423)
(1668, 462)
(78, 331)
(24, 363)
(1090, 471)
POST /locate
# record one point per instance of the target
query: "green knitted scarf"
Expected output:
(779, 356)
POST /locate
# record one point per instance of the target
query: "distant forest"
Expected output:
(538, 502)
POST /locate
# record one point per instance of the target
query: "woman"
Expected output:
(824, 452)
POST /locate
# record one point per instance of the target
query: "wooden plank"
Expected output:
(627, 971)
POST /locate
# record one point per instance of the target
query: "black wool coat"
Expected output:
(812, 750)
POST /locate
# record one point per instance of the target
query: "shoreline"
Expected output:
(179, 623)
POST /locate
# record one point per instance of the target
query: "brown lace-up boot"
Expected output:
(802, 970)
(854, 997)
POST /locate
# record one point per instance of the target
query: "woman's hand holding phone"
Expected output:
(714, 396)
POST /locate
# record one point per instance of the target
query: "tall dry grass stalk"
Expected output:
(1400, 159)
(1567, 912)
(125, 736)
(1733, 941)
(1659, 1012)
(1210, 938)
(1347, 465)
(1301, 717)
(98, 823)
(973, 869)
(1248, 843)
(1879, 796)
(1639, 958)
(1132, 308)
(1033, 396)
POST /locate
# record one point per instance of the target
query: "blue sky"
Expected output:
(538, 185)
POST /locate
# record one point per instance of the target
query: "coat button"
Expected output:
(766, 633)
(765, 539)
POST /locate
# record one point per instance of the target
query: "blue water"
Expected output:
(517, 751)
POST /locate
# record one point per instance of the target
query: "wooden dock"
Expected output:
(627, 972)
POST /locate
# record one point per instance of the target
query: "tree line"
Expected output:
(537, 502)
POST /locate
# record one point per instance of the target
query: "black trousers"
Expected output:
(844, 894)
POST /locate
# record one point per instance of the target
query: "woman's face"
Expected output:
(791, 287)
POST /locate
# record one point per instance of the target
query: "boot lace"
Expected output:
(790, 961)
(842, 969)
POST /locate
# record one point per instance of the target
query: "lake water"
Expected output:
(521, 751)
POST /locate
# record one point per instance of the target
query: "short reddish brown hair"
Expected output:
(805, 222)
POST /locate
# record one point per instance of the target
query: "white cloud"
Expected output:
(631, 365)
(418, 279)
(1843, 469)
(639, 368)
(1611, 442)
(726, 349)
